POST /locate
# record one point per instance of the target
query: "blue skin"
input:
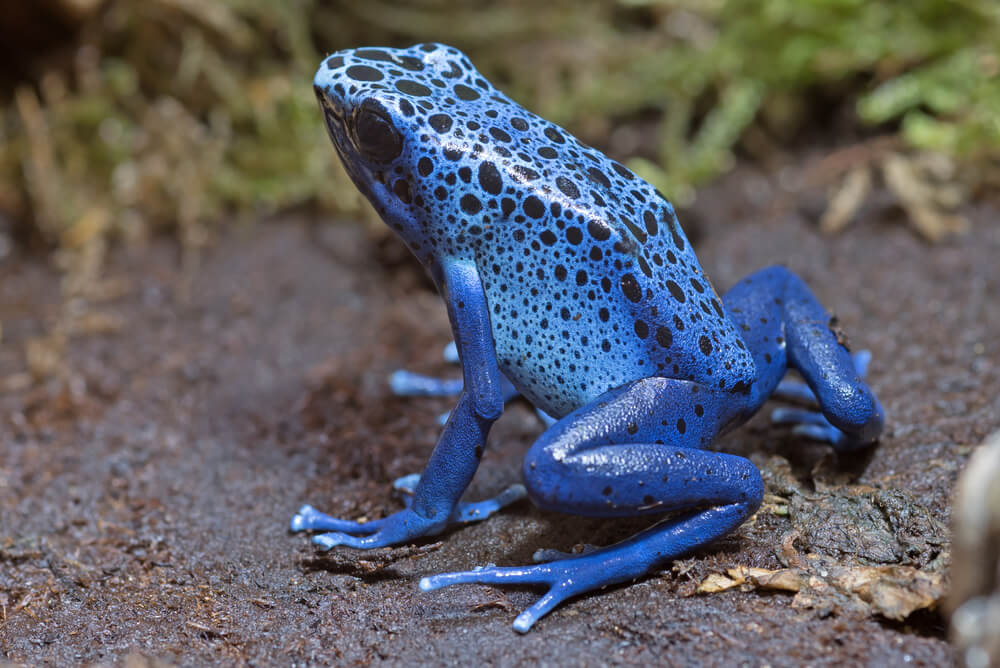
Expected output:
(568, 276)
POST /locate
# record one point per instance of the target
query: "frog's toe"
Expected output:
(561, 586)
(310, 519)
(480, 510)
(547, 554)
(405, 383)
(326, 541)
(809, 424)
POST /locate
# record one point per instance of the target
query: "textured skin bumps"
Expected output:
(590, 279)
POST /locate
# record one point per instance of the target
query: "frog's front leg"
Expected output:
(632, 451)
(460, 446)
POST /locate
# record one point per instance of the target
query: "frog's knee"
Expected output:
(541, 474)
(856, 412)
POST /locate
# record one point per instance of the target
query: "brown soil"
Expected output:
(145, 492)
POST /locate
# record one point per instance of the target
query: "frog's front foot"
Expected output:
(397, 528)
(401, 526)
(463, 513)
(811, 423)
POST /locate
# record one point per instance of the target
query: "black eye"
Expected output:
(374, 134)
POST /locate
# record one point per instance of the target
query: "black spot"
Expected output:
(699, 410)
(681, 426)
(470, 204)
(641, 329)
(560, 272)
(519, 124)
(567, 187)
(552, 134)
(606, 346)
(547, 237)
(411, 63)
(574, 235)
(533, 207)
(507, 206)
(650, 220)
(597, 176)
(599, 230)
(364, 73)
(630, 288)
(452, 154)
(632, 428)
(676, 291)
(675, 233)
(425, 166)
(402, 189)
(634, 229)
(499, 134)
(697, 286)
(622, 171)
(523, 173)
(373, 54)
(412, 88)
(603, 314)
(705, 345)
(606, 491)
(440, 122)
(406, 108)
(581, 278)
(465, 174)
(334, 62)
(664, 337)
(465, 93)
(489, 178)
(548, 152)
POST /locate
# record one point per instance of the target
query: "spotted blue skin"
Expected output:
(568, 275)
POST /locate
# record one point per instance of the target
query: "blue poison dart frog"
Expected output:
(568, 278)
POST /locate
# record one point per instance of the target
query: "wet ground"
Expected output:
(145, 490)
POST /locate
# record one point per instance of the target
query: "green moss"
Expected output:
(177, 112)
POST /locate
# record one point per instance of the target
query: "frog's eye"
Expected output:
(374, 134)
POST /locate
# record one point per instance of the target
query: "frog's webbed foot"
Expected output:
(463, 513)
(564, 579)
(400, 526)
(811, 423)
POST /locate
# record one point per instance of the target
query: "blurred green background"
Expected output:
(119, 118)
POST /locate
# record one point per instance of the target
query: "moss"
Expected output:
(168, 113)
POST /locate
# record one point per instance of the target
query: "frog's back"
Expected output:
(590, 279)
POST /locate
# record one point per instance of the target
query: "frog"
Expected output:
(568, 280)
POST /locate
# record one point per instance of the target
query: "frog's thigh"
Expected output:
(637, 450)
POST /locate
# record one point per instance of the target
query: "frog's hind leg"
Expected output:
(632, 451)
(784, 326)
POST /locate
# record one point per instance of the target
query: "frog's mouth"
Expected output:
(334, 120)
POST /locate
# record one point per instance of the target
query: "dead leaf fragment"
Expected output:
(894, 592)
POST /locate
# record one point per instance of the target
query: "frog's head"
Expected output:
(393, 114)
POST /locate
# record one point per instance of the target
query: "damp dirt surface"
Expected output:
(147, 486)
